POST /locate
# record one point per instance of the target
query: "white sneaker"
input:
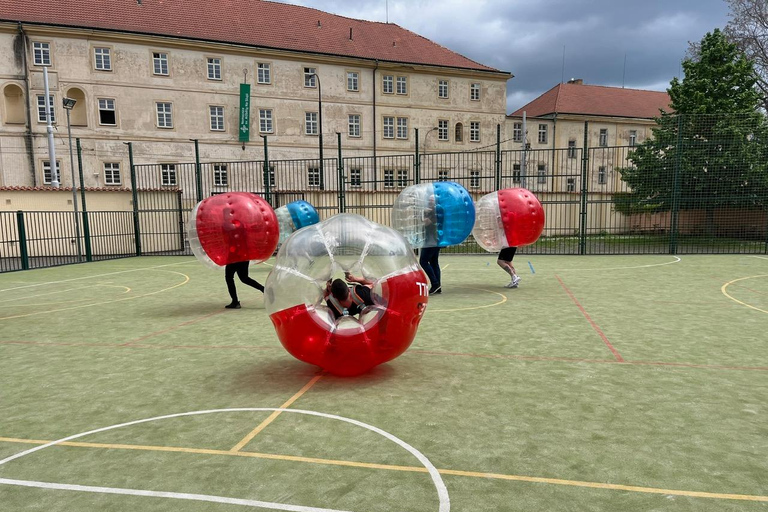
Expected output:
(510, 285)
(515, 281)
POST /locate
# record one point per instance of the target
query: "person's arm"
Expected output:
(327, 290)
(359, 280)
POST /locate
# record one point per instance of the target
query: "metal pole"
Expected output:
(342, 198)
(198, 172)
(525, 149)
(584, 192)
(320, 129)
(74, 190)
(136, 226)
(498, 157)
(267, 182)
(49, 128)
(676, 188)
(86, 227)
(22, 240)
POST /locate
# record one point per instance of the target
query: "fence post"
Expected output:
(134, 194)
(198, 172)
(417, 162)
(342, 198)
(498, 157)
(267, 193)
(179, 204)
(584, 190)
(86, 226)
(676, 188)
(22, 240)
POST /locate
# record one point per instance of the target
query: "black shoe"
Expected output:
(436, 291)
(234, 305)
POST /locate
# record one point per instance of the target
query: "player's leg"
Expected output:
(242, 273)
(229, 277)
(505, 262)
(426, 264)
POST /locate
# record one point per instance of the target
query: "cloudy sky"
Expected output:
(527, 37)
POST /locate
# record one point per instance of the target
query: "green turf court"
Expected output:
(622, 383)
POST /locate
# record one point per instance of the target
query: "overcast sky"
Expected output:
(526, 37)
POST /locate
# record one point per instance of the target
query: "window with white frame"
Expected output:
(42, 53)
(263, 73)
(355, 177)
(112, 173)
(541, 174)
(474, 92)
(474, 131)
(632, 137)
(220, 175)
(310, 77)
(402, 85)
(107, 113)
(389, 178)
(389, 127)
(442, 88)
(164, 114)
(543, 129)
(402, 178)
(516, 173)
(603, 140)
(265, 120)
(102, 58)
(458, 133)
(474, 179)
(41, 117)
(271, 175)
(353, 81)
(310, 123)
(442, 175)
(601, 175)
(160, 63)
(47, 177)
(354, 125)
(570, 185)
(168, 175)
(388, 84)
(442, 129)
(402, 127)
(571, 148)
(517, 132)
(217, 118)
(313, 177)
(214, 68)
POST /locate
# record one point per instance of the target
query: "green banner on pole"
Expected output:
(245, 112)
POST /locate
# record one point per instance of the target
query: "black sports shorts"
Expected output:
(507, 253)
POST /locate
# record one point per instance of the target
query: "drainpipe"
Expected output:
(374, 125)
(28, 137)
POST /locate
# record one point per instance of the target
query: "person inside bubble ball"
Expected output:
(235, 234)
(345, 300)
(430, 254)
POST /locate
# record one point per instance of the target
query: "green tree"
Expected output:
(710, 152)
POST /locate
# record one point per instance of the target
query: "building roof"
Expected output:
(596, 100)
(257, 23)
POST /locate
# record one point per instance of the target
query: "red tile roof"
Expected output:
(257, 23)
(597, 100)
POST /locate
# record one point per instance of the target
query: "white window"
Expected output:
(354, 125)
(389, 178)
(571, 148)
(310, 123)
(516, 173)
(474, 92)
(41, 108)
(47, 171)
(517, 132)
(313, 176)
(164, 115)
(263, 73)
(112, 173)
(402, 127)
(402, 85)
(402, 178)
(442, 175)
(442, 129)
(265, 120)
(387, 84)
(389, 127)
(217, 118)
(442, 88)
(42, 53)
(541, 176)
(353, 81)
(214, 69)
(107, 113)
(310, 77)
(474, 131)
(220, 175)
(632, 137)
(603, 137)
(102, 59)
(542, 134)
(168, 174)
(355, 178)
(474, 179)
(160, 63)
(570, 185)
(601, 175)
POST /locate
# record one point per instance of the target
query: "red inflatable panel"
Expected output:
(522, 216)
(309, 339)
(237, 226)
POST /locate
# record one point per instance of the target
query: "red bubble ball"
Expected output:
(522, 216)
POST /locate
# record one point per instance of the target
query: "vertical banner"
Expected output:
(245, 112)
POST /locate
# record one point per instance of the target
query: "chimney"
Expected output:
(576, 81)
(350, 33)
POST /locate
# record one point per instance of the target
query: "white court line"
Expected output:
(442, 491)
(96, 275)
(677, 260)
(760, 257)
(165, 494)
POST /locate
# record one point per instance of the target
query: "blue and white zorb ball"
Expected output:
(434, 214)
(294, 216)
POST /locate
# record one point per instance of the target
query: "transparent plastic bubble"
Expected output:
(508, 218)
(294, 216)
(434, 214)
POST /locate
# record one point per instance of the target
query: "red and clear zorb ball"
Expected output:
(511, 217)
(232, 227)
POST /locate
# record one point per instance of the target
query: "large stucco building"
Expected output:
(161, 73)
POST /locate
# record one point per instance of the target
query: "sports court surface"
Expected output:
(621, 383)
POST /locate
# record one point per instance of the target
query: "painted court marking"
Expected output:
(70, 301)
(600, 269)
(469, 308)
(442, 491)
(724, 289)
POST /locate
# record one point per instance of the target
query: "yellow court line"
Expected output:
(127, 290)
(502, 301)
(723, 289)
(247, 439)
(413, 469)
